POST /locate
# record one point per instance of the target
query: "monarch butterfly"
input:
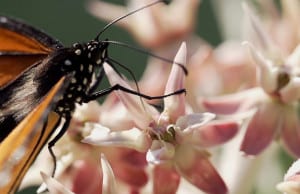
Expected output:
(40, 83)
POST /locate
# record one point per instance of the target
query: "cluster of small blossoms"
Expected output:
(245, 93)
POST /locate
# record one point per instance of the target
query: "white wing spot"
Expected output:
(78, 99)
(81, 67)
(68, 62)
(98, 61)
(78, 52)
(90, 68)
(73, 80)
(85, 81)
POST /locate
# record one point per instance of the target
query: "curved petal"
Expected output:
(195, 167)
(232, 103)
(260, 35)
(291, 131)
(262, 128)
(267, 72)
(54, 186)
(196, 119)
(215, 133)
(102, 136)
(291, 183)
(109, 184)
(142, 112)
(165, 180)
(293, 172)
(289, 187)
(175, 104)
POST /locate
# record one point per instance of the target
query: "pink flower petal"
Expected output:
(261, 36)
(87, 178)
(166, 180)
(262, 128)
(291, 131)
(233, 103)
(195, 167)
(129, 167)
(196, 119)
(142, 113)
(267, 72)
(175, 105)
(215, 133)
(135, 158)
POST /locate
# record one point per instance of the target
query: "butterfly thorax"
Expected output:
(84, 64)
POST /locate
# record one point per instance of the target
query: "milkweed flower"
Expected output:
(282, 23)
(120, 159)
(78, 165)
(275, 99)
(174, 140)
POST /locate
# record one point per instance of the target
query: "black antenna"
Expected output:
(147, 53)
(126, 15)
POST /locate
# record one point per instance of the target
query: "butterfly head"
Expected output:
(94, 51)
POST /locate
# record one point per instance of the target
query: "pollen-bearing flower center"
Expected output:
(167, 134)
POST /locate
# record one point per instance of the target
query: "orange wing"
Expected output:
(21, 46)
(23, 144)
(13, 65)
(16, 42)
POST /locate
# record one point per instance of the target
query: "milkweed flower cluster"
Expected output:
(241, 98)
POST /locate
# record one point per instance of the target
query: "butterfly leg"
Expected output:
(107, 91)
(57, 137)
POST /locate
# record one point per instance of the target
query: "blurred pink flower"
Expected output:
(218, 71)
(275, 101)
(174, 140)
(148, 26)
(282, 24)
